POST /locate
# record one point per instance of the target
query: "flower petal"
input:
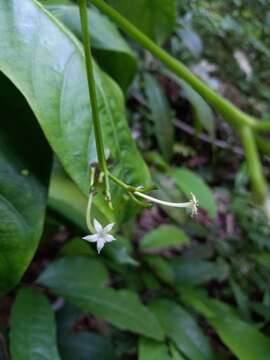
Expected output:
(91, 238)
(100, 244)
(98, 227)
(108, 228)
(109, 238)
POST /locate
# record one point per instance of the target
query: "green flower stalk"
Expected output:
(101, 234)
(245, 125)
(93, 96)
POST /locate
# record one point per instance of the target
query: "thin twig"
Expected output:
(206, 138)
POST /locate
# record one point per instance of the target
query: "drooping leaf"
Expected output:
(189, 182)
(161, 115)
(163, 237)
(121, 308)
(33, 333)
(156, 18)
(202, 111)
(111, 50)
(46, 62)
(152, 350)
(182, 328)
(24, 172)
(191, 40)
(242, 338)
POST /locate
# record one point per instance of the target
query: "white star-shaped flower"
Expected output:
(101, 236)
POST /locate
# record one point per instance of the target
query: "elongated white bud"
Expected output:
(192, 204)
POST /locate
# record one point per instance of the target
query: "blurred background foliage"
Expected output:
(171, 287)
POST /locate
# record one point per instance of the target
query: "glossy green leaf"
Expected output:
(242, 338)
(80, 270)
(58, 94)
(33, 332)
(182, 328)
(152, 350)
(86, 346)
(156, 18)
(163, 237)
(121, 308)
(161, 115)
(189, 182)
(24, 171)
(111, 50)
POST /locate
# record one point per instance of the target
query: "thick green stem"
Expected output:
(92, 93)
(230, 112)
(263, 145)
(254, 165)
(262, 126)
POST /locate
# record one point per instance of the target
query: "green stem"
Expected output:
(231, 113)
(119, 182)
(90, 201)
(92, 94)
(254, 165)
(262, 126)
(263, 145)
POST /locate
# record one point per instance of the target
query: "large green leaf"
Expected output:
(156, 18)
(161, 115)
(33, 332)
(152, 350)
(79, 269)
(121, 308)
(24, 171)
(189, 182)
(242, 338)
(45, 61)
(164, 237)
(111, 50)
(181, 327)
